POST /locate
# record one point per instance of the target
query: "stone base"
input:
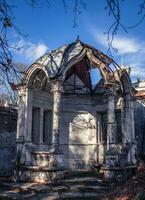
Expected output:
(114, 158)
(118, 173)
(41, 158)
(39, 175)
(56, 160)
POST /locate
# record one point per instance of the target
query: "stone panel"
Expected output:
(78, 138)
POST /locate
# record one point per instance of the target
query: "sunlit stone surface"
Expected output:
(65, 122)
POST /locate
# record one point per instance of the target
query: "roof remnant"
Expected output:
(57, 63)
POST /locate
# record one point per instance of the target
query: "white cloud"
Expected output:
(35, 51)
(122, 44)
(132, 49)
(126, 45)
(137, 63)
(30, 50)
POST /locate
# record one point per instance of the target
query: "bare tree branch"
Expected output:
(113, 7)
(141, 13)
(10, 71)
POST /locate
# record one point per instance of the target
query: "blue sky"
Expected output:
(50, 27)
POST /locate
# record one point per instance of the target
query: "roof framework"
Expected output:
(78, 58)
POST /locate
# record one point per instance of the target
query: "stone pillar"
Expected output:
(21, 114)
(24, 124)
(29, 115)
(111, 121)
(127, 127)
(56, 89)
(133, 121)
(126, 121)
(129, 140)
(56, 159)
(111, 153)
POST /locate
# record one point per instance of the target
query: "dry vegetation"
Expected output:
(132, 189)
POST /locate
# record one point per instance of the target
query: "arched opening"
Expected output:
(95, 77)
(82, 77)
(77, 77)
(37, 80)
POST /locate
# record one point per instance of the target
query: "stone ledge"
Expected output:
(41, 152)
(40, 169)
(40, 174)
(118, 173)
(119, 168)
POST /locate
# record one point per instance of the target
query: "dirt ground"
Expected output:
(131, 189)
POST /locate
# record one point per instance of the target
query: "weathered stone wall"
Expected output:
(8, 123)
(140, 127)
(78, 134)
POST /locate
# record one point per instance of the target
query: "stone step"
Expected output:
(73, 192)
(52, 196)
(15, 195)
(81, 173)
(80, 196)
(88, 183)
(89, 188)
(82, 180)
(78, 185)
(23, 186)
(60, 188)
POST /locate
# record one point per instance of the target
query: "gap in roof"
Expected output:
(95, 77)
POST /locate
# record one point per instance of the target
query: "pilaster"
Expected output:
(21, 120)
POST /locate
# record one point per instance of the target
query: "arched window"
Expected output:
(37, 80)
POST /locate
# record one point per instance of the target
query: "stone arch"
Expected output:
(79, 73)
(107, 68)
(36, 77)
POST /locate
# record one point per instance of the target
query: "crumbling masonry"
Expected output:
(65, 123)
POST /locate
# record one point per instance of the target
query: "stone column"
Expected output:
(21, 114)
(128, 129)
(24, 122)
(111, 152)
(56, 89)
(111, 121)
(56, 154)
(126, 121)
(24, 125)
(133, 121)
(29, 115)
